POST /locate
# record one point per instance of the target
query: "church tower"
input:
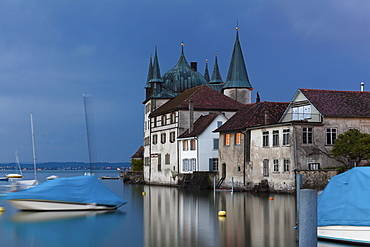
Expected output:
(237, 85)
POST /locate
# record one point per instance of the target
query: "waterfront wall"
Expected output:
(316, 179)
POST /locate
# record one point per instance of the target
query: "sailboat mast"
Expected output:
(33, 147)
(88, 131)
(17, 160)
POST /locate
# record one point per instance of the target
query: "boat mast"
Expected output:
(17, 160)
(88, 130)
(33, 147)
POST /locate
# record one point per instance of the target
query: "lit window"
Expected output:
(192, 144)
(185, 145)
(227, 139)
(238, 138)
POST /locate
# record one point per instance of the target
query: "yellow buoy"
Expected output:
(143, 193)
(222, 213)
(2, 209)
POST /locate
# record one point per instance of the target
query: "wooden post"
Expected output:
(307, 223)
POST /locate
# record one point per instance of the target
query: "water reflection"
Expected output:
(62, 228)
(190, 218)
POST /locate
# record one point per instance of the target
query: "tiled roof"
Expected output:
(200, 125)
(253, 115)
(205, 99)
(139, 153)
(339, 103)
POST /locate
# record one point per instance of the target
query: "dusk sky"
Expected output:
(54, 51)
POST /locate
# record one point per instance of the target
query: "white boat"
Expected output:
(16, 175)
(51, 177)
(66, 194)
(344, 208)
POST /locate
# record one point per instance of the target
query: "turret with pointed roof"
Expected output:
(237, 85)
(148, 86)
(206, 73)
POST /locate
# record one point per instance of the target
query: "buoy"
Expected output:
(222, 213)
(143, 193)
(2, 209)
(271, 198)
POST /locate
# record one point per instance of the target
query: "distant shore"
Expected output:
(67, 166)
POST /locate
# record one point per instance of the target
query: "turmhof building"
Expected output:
(197, 123)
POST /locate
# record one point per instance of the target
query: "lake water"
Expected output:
(163, 216)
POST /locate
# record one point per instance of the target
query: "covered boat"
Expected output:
(72, 193)
(344, 207)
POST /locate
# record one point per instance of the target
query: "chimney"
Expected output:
(191, 115)
(194, 65)
(362, 86)
(267, 117)
(258, 99)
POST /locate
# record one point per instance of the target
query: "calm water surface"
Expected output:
(162, 217)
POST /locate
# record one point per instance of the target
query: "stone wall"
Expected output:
(316, 179)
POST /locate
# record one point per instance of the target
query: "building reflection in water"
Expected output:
(177, 217)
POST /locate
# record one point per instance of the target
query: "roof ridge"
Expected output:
(327, 90)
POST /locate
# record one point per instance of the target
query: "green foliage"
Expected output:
(137, 165)
(352, 145)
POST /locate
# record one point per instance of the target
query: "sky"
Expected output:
(52, 52)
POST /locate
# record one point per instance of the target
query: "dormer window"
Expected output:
(301, 112)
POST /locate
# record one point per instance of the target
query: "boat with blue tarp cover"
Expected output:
(344, 207)
(71, 193)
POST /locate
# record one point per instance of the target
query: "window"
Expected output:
(172, 137)
(275, 138)
(155, 139)
(276, 165)
(265, 167)
(286, 165)
(173, 118)
(314, 166)
(193, 163)
(307, 135)
(155, 122)
(159, 163)
(238, 138)
(301, 112)
(185, 145)
(163, 138)
(286, 137)
(146, 161)
(192, 144)
(219, 123)
(265, 139)
(215, 143)
(227, 139)
(185, 165)
(167, 159)
(213, 164)
(331, 135)
(163, 120)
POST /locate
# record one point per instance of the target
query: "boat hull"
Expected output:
(350, 234)
(41, 205)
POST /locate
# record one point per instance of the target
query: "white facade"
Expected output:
(200, 153)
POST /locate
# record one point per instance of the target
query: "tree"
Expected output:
(137, 165)
(353, 145)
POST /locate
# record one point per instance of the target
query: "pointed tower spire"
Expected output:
(258, 98)
(150, 73)
(156, 76)
(216, 75)
(237, 76)
(206, 73)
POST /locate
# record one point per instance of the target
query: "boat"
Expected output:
(51, 177)
(107, 177)
(66, 194)
(4, 179)
(344, 208)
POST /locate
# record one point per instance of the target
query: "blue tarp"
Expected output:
(346, 199)
(80, 189)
